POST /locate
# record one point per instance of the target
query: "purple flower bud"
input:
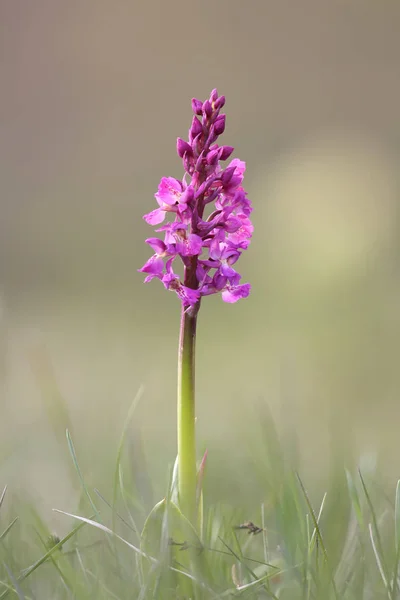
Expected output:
(207, 109)
(219, 125)
(197, 145)
(182, 147)
(219, 102)
(195, 130)
(188, 164)
(227, 175)
(226, 151)
(213, 95)
(211, 196)
(197, 106)
(212, 157)
(212, 136)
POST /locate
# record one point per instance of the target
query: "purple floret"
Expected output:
(210, 245)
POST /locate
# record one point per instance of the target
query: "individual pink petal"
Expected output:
(234, 293)
(155, 216)
(158, 245)
(240, 166)
(154, 265)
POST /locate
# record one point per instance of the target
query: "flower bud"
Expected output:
(196, 129)
(182, 147)
(226, 151)
(213, 96)
(219, 125)
(212, 157)
(227, 175)
(197, 106)
(219, 103)
(207, 109)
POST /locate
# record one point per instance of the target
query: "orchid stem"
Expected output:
(186, 415)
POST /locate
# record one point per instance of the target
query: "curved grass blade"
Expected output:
(396, 539)
(15, 583)
(43, 559)
(7, 529)
(3, 495)
(128, 419)
(375, 537)
(106, 530)
(355, 499)
(120, 517)
(378, 559)
(78, 470)
(319, 535)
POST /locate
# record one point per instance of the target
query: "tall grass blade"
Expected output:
(375, 538)
(7, 529)
(3, 494)
(378, 559)
(78, 470)
(355, 500)
(319, 535)
(15, 583)
(395, 584)
(121, 444)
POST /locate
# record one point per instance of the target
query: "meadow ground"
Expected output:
(265, 531)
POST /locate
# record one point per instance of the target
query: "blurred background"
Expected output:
(93, 96)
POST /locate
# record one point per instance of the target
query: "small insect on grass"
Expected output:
(251, 528)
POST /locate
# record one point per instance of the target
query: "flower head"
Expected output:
(210, 245)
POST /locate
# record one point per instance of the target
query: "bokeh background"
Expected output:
(93, 96)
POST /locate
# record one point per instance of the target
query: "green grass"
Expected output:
(342, 542)
(278, 536)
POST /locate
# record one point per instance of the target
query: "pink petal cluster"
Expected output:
(211, 225)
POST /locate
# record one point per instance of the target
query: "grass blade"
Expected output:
(376, 540)
(7, 529)
(78, 470)
(43, 559)
(378, 560)
(395, 584)
(105, 530)
(128, 419)
(15, 583)
(355, 500)
(3, 495)
(319, 535)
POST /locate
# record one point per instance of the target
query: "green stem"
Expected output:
(186, 415)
